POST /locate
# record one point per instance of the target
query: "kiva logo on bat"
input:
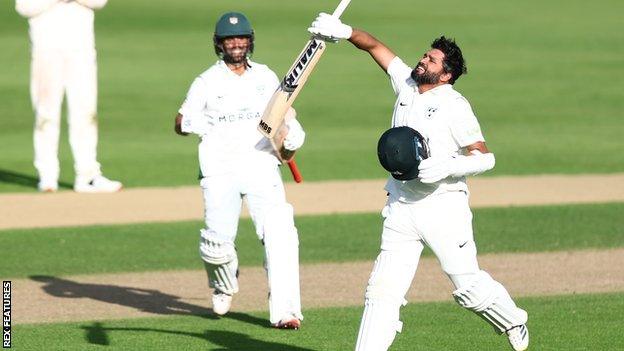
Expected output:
(290, 81)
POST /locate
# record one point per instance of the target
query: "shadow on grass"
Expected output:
(144, 300)
(25, 180)
(98, 334)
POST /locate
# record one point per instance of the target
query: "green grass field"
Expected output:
(543, 79)
(337, 238)
(574, 323)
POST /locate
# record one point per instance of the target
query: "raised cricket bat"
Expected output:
(293, 82)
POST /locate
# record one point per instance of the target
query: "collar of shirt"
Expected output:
(440, 89)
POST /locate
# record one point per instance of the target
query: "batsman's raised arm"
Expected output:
(330, 28)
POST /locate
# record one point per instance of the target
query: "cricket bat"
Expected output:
(285, 155)
(293, 82)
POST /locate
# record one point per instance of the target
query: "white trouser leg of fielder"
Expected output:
(82, 108)
(47, 89)
(274, 221)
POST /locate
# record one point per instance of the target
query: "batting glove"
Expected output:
(434, 169)
(330, 28)
(295, 137)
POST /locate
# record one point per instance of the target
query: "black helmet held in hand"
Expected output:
(400, 150)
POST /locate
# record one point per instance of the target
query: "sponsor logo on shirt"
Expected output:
(235, 117)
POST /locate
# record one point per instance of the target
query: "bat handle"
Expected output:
(295, 171)
(341, 7)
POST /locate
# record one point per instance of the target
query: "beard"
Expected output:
(236, 58)
(426, 77)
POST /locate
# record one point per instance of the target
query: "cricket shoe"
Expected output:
(47, 186)
(289, 322)
(99, 184)
(518, 337)
(221, 302)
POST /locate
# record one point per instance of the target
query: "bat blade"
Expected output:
(290, 87)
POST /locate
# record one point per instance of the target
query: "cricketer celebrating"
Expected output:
(64, 62)
(427, 204)
(223, 106)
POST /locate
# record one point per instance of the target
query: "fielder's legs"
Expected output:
(46, 89)
(274, 221)
(82, 108)
(451, 239)
(222, 202)
(390, 280)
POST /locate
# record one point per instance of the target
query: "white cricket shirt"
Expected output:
(60, 25)
(224, 109)
(444, 118)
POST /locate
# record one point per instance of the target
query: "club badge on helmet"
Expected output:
(400, 150)
(232, 24)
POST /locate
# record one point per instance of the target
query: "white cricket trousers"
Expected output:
(442, 222)
(55, 73)
(261, 185)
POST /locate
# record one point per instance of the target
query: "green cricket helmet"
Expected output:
(232, 24)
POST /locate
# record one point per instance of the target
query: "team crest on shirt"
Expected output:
(233, 20)
(430, 112)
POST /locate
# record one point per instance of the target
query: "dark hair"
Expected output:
(453, 60)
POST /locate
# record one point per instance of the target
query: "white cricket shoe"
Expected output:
(99, 184)
(47, 186)
(221, 302)
(289, 322)
(518, 337)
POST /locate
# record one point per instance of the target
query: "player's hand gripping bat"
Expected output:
(293, 82)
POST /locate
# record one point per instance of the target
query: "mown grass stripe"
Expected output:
(333, 238)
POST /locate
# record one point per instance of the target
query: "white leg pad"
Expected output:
(385, 294)
(220, 261)
(281, 244)
(490, 300)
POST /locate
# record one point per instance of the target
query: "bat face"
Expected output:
(291, 81)
(290, 87)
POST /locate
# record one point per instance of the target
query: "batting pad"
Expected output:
(220, 262)
(490, 300)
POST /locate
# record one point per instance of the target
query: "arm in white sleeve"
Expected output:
(92, 4)
(32, 8)
(193, 118)
(473, 164)
(434, 169)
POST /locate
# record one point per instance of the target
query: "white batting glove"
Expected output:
(330, 28)
(434, 169)
(295, 137)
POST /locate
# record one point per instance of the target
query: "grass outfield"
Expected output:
(337, 238)
(532, 82)
(572, 323)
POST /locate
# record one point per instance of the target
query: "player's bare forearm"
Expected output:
(178, 125)
(378, 50)
(479, 146)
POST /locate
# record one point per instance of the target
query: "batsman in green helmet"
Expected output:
(234, 39)
(223, 108)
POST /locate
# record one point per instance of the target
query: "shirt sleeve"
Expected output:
(32, 8)
(400, 75)
(464, 124)
(192, 108)
(92, 4)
